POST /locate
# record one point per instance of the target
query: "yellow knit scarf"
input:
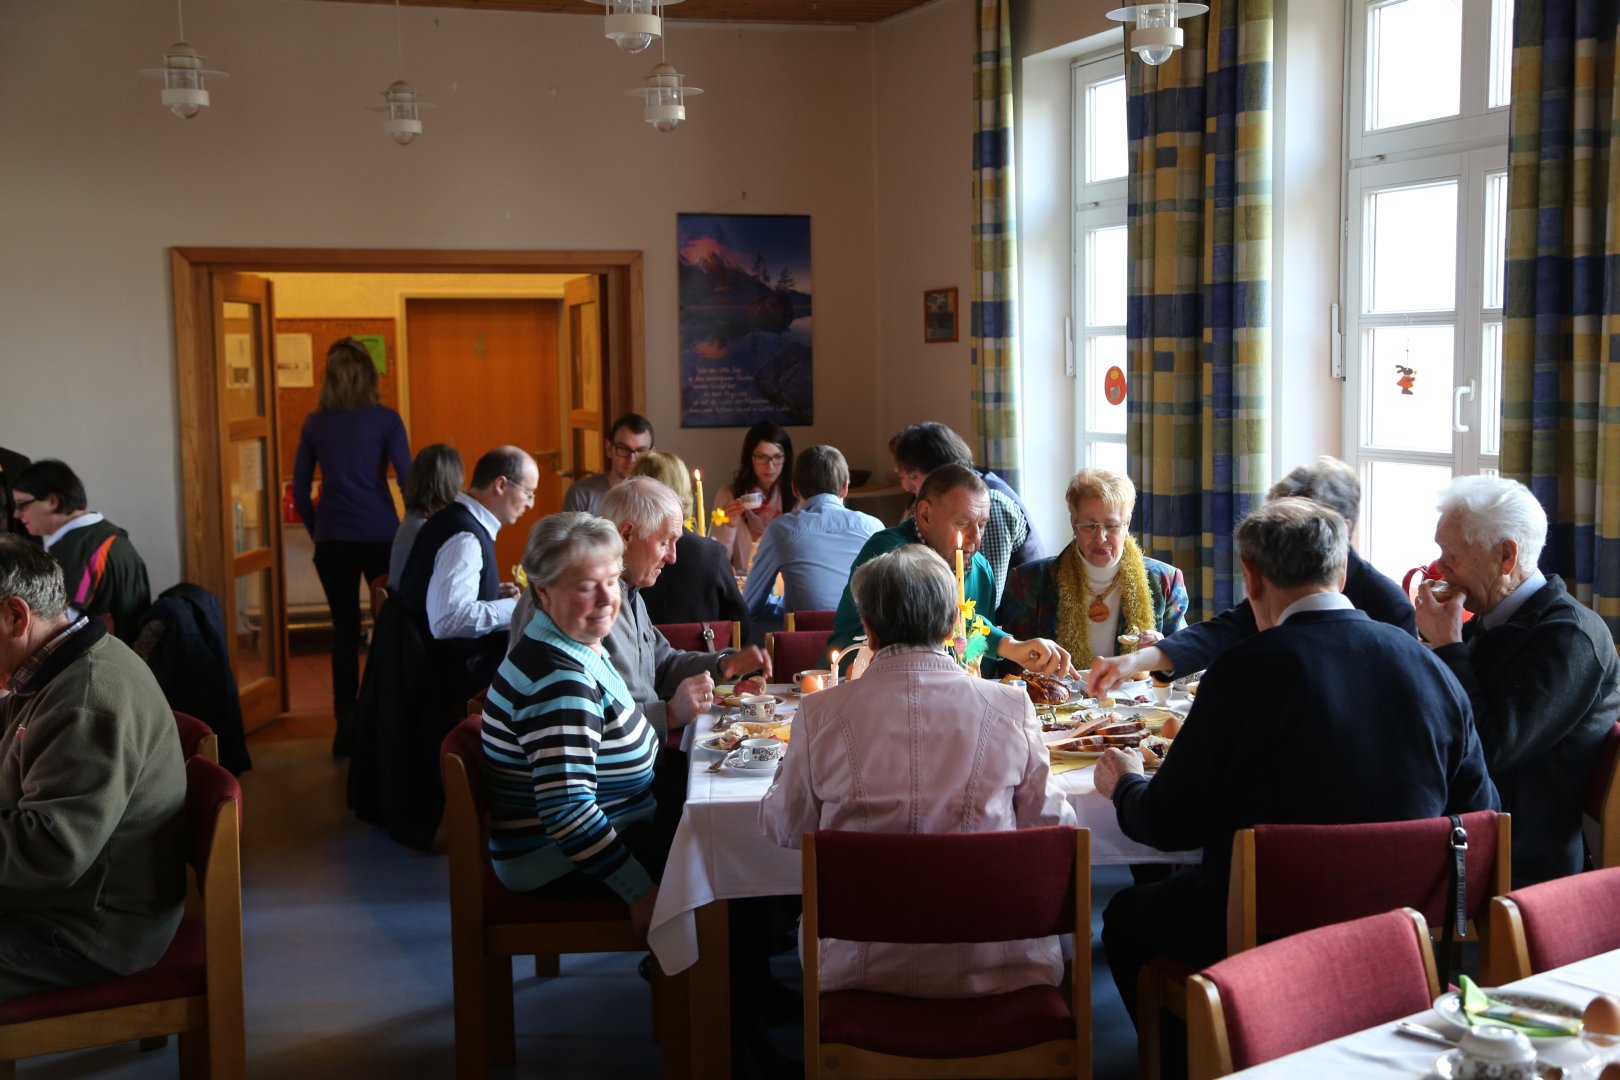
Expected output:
(1074, 599)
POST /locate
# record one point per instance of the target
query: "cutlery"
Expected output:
(721, 761)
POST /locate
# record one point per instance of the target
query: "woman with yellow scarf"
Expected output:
(1100, 586)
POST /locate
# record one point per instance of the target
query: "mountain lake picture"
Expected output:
(745, 319)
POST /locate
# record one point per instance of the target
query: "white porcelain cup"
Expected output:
(1496, 1053)
(762, 751)
(752, 501)
(759, 707)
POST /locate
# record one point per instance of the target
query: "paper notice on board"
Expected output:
(295, 360)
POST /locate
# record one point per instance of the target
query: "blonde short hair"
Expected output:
(1114, 489)
(668, 469)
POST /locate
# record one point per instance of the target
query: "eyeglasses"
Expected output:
(528, 493)
(622, 451)
(19, 505)
(769, 459)
(1090, 528)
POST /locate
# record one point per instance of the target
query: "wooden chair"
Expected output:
(808, 620)
(197, 739)
(1601, 819)
(379, 593)
(1307, 989)
(796, 650)
(702, 637)
(921, 888)
(1289, 878)
(489, 925)
(1554, 923)
(195, 990)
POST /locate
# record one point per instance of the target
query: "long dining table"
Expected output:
(720, 854)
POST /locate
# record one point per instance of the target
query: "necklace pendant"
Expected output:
(1098, 611)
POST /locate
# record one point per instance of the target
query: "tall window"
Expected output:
(1426, 230)
(1101, 262)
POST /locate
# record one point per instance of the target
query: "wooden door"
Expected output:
(483, 373)
(582, 375)
(250, 526)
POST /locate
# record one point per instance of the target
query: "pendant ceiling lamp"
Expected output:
(185, 90)
(663, 99)
(633, 25)
(402, 105)
(1157, 34)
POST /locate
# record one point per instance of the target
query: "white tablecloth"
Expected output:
(720, 854)
(1380, 1054)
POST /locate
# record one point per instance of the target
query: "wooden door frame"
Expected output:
(193, 268)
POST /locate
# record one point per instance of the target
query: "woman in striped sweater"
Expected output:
(570, 754)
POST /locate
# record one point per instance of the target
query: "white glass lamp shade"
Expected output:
(185, 89)
(633, 25)
(1157, 32)
(401, 120)
(663, 98)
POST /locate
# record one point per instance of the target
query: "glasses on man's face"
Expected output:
(1090, 528)
(19, 505)
(528, 493)
(769, 459)
(629, 453)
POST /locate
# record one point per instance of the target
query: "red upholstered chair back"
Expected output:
(208, 785)
(197, 739)
(1312, 987)
(1570, 918)
(809, 620)
(466, 741)
(989, 886)
(793, 651)
(1308, 876)
(688, 636)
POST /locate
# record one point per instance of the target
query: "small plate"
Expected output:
(709, 743)
(1448, 1007)
(749, 765)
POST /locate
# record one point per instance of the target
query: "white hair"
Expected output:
(1490, 509)
(642, 502)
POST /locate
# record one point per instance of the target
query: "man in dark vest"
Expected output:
(452, 582)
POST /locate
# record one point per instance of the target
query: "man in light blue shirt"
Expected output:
(813, 547)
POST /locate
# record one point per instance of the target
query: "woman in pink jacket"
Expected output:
(917, 745)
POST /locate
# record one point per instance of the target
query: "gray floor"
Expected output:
(347, 943)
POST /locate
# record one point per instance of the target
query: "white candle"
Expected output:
(697, 478)
(834, 668)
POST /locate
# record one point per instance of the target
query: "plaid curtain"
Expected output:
(1198, 324)
(1561, 336)
(993, 307)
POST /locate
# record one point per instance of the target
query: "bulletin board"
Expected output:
(293, 403)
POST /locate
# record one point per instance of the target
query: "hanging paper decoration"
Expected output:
(1407, 380)
(1114, 385)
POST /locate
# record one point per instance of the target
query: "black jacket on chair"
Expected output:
(700, 586)
(182, 639)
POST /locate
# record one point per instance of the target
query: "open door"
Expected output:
(582, 346)
(249, 529)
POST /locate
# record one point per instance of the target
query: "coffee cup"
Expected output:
(759, 707)
(761, 751)
(752, 501)
(1499, 1053)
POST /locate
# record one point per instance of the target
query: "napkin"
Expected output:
(1532, 1022)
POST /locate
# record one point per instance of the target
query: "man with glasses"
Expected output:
(630, 437)
(452, 580)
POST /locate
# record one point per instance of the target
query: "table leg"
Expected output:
(709, 994)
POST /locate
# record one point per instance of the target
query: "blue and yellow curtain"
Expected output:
(1561, 336)
(993, 311)
(1198, 324)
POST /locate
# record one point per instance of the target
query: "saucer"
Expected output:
(750, 765)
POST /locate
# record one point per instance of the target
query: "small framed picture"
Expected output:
(939, 316)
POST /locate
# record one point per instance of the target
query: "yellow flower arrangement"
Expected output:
(718, 518)
(520, 576)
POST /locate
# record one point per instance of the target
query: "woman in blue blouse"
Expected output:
(353, 440)
(569, 754)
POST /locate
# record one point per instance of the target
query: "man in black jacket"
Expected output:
(1322, 717)
(1326, 481)
(1538, 665)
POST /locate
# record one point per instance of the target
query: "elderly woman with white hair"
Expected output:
(975, 763)
(649, 519)
(1538, 665)
(569, 753)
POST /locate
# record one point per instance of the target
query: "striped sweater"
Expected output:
(569, 762)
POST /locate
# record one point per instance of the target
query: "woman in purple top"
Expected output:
(353, 440)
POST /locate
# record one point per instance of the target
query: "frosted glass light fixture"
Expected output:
(185, 80)
(633, 25)
(663, 98)
(402, 105)
(1157, 32)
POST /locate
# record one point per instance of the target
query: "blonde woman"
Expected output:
(353, 440)
(699, 586)
(1101, 585)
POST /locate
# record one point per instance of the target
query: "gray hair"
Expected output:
(32, 576)
(1294, 542)
(1328, 481)
(559, 542)
(907, 596)
(1491, 509)
(642, 503)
